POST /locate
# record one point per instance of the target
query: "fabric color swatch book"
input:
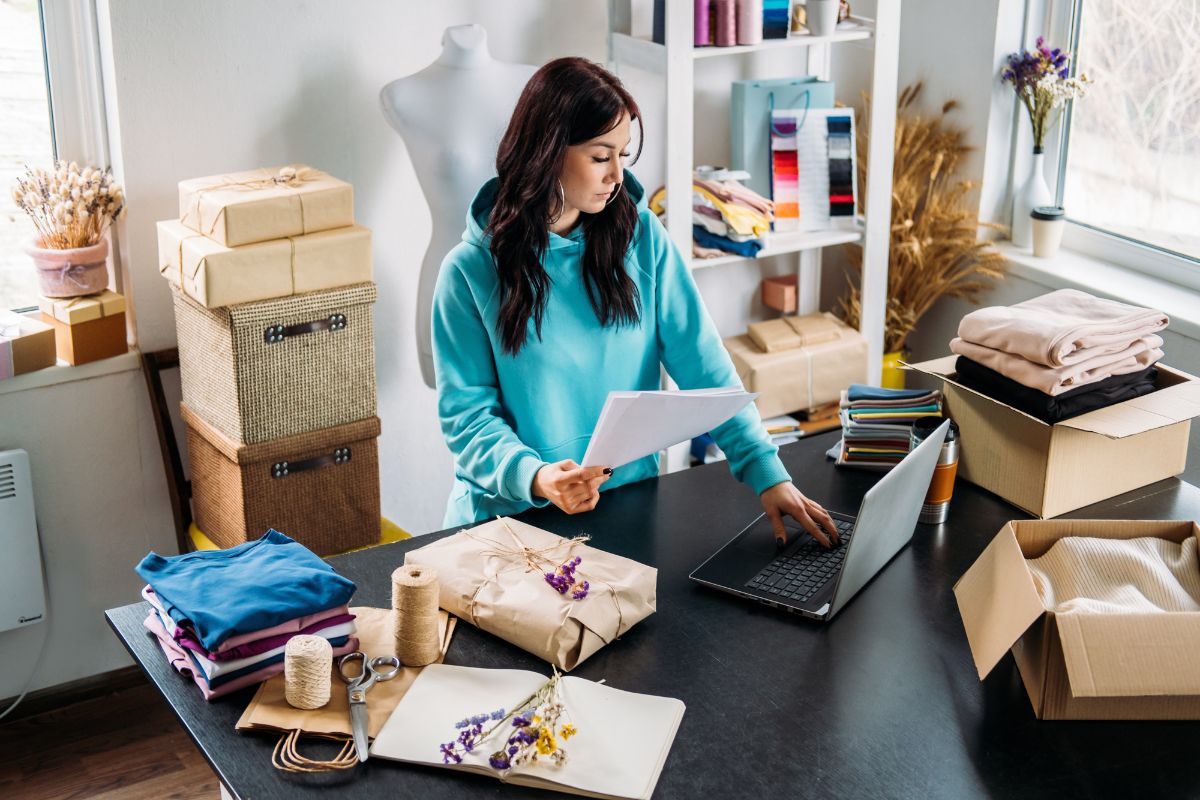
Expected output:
(605, 759)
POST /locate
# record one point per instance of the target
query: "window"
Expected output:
(25, 138)
(1132, 145)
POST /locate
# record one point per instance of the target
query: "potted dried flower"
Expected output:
(72, 209)
(1041, 79)
(934, 250)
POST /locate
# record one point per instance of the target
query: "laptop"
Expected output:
(804, 577)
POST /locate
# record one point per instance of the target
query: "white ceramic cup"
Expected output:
(822, 16)
(1047, 223)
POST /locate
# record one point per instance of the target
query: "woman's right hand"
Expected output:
(569, 486)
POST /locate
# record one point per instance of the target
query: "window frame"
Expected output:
(1061, 20)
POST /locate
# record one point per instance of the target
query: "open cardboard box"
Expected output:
(1049, 470)
(1080, 666)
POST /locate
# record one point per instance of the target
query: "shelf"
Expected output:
(778, 244)
(650, 56)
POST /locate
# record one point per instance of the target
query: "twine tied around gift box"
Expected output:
(183, 284)
(288, 178)
(537, 559)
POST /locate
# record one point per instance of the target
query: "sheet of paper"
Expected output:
(604, 760)
(636, 424)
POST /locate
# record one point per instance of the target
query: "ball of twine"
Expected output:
(307, 666)
(415, 612)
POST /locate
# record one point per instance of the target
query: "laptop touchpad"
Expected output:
(760, 539)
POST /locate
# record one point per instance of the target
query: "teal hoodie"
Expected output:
(505, 417)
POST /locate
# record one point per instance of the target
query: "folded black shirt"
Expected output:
(1052, 409)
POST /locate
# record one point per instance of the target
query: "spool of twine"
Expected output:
(415, 612)
(307, 666)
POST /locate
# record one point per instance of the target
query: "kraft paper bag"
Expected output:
(493, 576)
(269, 710)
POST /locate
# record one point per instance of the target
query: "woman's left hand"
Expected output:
(785, 498)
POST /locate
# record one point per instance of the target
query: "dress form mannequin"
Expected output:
(451, 115)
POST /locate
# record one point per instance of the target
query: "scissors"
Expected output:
(363, 678)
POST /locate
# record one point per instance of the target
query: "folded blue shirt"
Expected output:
(256, 585)
(860, 391)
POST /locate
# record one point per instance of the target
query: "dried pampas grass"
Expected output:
(934, 248)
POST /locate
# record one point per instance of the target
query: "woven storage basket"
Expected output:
(259, 371)
(321, 488)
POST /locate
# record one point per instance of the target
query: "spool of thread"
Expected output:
(700, 25)
(415, 611)
(749, 21)
(726, 13)
(307, 666)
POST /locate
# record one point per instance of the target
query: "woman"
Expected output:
(566, 287)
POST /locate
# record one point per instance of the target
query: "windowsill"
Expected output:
(1072, 270)
(65, 373)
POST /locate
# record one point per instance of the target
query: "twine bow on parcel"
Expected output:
(536, 559)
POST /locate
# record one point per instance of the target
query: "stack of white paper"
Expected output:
(635, 424)
(604, 759)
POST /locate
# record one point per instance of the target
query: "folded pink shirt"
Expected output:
(1061, 328)
(231, 645)
(178, 659)
(1055, 380)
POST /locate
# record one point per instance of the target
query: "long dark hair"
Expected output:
(567, 102)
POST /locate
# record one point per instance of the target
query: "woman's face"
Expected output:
(592, 170)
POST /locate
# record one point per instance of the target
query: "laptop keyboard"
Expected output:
(800, 574)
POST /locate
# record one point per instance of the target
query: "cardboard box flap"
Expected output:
(1158, 409)
(941, 367)
(1131, 655)
(993, 627)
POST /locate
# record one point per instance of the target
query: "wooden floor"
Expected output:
(123, 746)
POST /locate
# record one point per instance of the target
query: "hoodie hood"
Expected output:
(481, 210)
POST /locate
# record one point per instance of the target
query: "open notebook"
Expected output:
(604, 761)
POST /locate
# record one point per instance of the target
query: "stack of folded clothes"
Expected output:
(876, 423)
(224, 617)
(727, 217)
(1060, 355)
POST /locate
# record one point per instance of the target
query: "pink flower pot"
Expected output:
(71, 273)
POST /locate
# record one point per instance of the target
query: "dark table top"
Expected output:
(884, 701)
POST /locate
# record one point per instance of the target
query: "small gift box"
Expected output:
(26, 344)
(556, 598)
(87, 328)
(216, 276)
(263, 204)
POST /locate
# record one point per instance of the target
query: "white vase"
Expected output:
(1032, 193)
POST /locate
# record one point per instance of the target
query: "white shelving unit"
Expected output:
(675, 62)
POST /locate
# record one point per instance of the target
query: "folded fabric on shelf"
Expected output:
(703, 238)
(1054, 381)
(1051, 409)
(1061, 328)
(245, 589)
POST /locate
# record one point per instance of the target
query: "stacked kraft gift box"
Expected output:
(273, 296)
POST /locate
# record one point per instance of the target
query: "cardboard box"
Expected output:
(1080, 666)
(88, 328)
(26, 344)
(216, 276)
(803, 377)
(781, 293)
(264, 204)
(1049, 470)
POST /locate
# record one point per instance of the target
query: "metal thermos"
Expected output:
(937, 500)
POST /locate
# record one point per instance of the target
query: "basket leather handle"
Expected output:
(273, 334)
(281, 469)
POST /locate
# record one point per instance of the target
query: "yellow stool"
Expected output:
(388, 532)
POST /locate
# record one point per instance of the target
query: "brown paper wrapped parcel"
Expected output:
(492, 576)
(263, 204)
(216, 276)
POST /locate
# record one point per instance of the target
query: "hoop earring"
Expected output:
(562, 204)
(616, 192)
